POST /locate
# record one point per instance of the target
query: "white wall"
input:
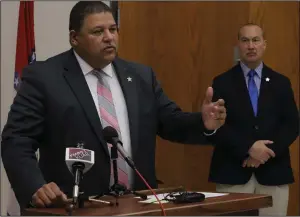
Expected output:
(9, 15)
(51, 37)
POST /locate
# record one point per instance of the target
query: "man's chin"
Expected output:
(251, 60)
(110, 57)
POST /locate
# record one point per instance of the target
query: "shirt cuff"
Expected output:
(209, 132)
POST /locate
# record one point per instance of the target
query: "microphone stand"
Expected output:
(76, 200)
(116, 189)
(78, 171)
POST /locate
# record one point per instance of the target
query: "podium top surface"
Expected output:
(129, 206)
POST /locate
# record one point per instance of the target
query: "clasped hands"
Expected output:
(259, 154)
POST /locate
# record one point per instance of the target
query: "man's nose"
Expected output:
(108, 36)
(250, 45)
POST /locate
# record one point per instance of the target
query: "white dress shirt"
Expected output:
(118, 99)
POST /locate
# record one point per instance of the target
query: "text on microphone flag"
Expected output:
(78, 153)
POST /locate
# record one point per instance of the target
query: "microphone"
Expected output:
(79, 161)
(111, 136)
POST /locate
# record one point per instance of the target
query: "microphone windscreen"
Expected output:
(109, 133)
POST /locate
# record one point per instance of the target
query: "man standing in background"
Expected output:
(251, 152)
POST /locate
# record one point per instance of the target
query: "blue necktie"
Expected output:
(253, 92)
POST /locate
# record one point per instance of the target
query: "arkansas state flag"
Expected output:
(25, 54)
(25, 51)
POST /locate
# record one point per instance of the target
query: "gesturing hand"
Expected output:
(213, 113)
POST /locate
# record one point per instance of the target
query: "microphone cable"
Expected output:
(153, 192)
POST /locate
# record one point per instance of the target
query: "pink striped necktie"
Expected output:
(109, 118)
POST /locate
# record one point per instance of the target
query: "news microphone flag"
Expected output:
(25, 49)
(79, 155)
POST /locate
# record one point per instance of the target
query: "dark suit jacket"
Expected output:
(54, 110)
(277, 120)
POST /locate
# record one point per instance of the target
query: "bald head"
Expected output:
(256, 27)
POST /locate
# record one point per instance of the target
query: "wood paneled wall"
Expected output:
(281, 24)
(187, 44)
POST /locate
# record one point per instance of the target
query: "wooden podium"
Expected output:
(231, 204)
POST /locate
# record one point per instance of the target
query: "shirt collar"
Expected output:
(246, 69)
(86, 68)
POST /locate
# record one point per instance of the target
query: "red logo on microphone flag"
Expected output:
(78, 153)
(25, 49)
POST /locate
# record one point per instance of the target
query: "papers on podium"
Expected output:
(152, 198)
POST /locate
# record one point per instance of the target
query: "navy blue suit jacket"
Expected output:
(54, 110)
(277, 120)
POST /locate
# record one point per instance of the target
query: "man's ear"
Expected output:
(265, 42)
(73, 38)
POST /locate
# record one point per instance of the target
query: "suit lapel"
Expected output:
(77, 82)
(243, 97)
(264, 93)
(129, 84)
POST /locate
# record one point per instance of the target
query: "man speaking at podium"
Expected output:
(71, 97)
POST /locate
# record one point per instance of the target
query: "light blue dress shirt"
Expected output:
(257, 78)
